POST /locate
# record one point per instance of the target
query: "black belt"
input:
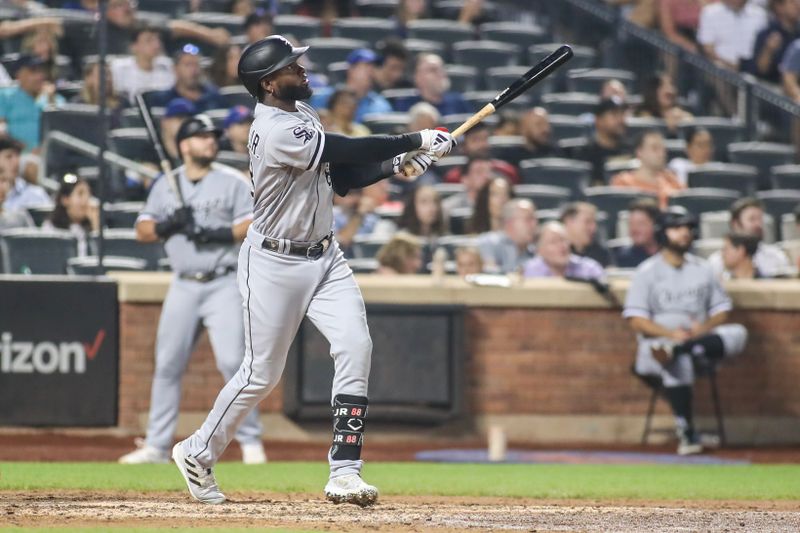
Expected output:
(205, 277)
(287, 247)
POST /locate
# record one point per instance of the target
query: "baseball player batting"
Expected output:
(200, 239)
(290, 265)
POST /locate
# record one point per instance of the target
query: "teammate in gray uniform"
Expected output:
(290, 266)
(201, 242)
(679, 311)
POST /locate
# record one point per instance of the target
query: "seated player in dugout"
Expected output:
(679, 312)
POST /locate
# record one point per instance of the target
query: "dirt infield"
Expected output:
(84, 509)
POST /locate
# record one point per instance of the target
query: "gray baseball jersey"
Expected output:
(674, 297)
(220, 199)
(294, 198)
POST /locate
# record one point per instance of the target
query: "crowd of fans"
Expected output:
(183, 69)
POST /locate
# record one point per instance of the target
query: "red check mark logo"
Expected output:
(91, 351)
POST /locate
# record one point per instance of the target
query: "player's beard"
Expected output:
(293, 93)
(678, 248)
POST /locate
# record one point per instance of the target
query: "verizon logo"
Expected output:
(21, 357)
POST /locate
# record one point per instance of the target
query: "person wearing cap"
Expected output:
(201, 240)
(21, 194)
(147, 69)
(652, 175)
(257, 25)
(189, 83)
(433, 84)
(21, 106)
(237, 128)
(176, 112)
(359, 80)
(607, 143)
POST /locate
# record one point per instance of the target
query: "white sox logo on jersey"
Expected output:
(303, 133)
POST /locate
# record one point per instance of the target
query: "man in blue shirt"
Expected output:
(21, 106)
(189, 84)
(772, 42)
(360, 75)
(433, 84)
(20, 194)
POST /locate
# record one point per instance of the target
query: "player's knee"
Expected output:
(734, 338)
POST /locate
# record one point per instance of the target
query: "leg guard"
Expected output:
(349, 413)
(680, 399)
(710, 346)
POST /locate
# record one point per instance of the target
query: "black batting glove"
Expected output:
(215, 235)
(178, 221)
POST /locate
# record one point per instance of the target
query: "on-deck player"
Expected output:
(290, 265)
(200, 240)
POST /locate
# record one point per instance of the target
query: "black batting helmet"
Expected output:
(264, 57)
(195, 126)
(674, 217)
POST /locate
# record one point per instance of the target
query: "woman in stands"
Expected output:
(699, 151)
(76, 211)
(660, 100)
(224, 67)
(489, 204)
(341, 114)
(422, 213)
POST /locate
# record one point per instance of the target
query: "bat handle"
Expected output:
(487, 110)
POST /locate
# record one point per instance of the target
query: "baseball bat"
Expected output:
(163, 160)
(537, 73)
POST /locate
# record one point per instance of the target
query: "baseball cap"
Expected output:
(179, 107)
(237, 114)
(32, 61)
(362, 55)
(195, 126)
(609, 104)
(187, 49)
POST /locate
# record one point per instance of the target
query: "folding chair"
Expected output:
(33, 251)
(741, 178)
(298, 26)
(367, 29)
(567, 173)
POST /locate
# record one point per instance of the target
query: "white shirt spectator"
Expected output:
(769, 260)
(129, 79)
(731, 33)
(681, 167)
(5, 79)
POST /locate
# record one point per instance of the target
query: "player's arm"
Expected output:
(648, 328)
(712, 322)
(146, 231)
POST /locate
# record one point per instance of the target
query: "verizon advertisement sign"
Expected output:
(58, 353)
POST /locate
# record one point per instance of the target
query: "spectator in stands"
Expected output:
(509, 123)
(21, 194)
(652, 174)
(737, 253)
(773, 41)
(189, 83)
(146, 69)
(468, 261)
(13, 28)
(433, 84)
(727, 31)
(325, 10)
(580, 221)
(608, 140)
(475, 174)
(422, 213)
(75, 210)
(354, 215)
(747, 217)
(660, 100)
(359, 80)
(21, 106)
(258, 25)
(409, 11)
(422, 116)
(11, 218)
(401, 255)
(643, 13)
(475, 143)
(176, 112)
(790, 71)
(224, 70)
(642, 217)
(474, 12)
(614, 88)
(242, 8)
(90, 92)
(237, 129)
(43, 44)
(390, 69)
(699, 151)
(678, 20)
(342, 113)
(488, 215)
(554, 258)
(507, 250)
(535, 129)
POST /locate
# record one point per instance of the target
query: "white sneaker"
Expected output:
(144, 455)
(351, 489)
(689, 446)
(253, 454)
(202, 485)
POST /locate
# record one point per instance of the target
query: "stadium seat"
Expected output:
(33, 251)
(520, 34)
(337, 73)
(714, 224)
(544, 196)
(387, 123)
(122, 214)
(459, 220)
(785, 177)
(498, 78)
(326, 50)
(392, 95)
(424, 46)
(588, 80)
(89, 265)
(568, 127)
(232, 23)
(300, 27)
(509, 148)
(463, 78)
(779, 202)
(724, 131)
(567, 173)
(133, 143)
(763, 156)
(132, 118)
(615, 246)
(367, 246)
(547, 215)
(122, 242)
(367, 29)
(239, 161)
(79, 120)
(703, 200)
(705, 247)
(237, 95)
(485, 54)
(384, 9)
(583, 56)
(570, 103)
(675, 148)
(446, 32)
(612, 200)
(174, 8)
(366, 265)
(636, 126)
(40, 214)
(742, 178)
(449, 189)
(478, 99)
(450, 9)
(614, 167)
